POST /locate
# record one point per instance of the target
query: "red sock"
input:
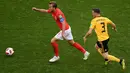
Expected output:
(55, 46)
(79, 47)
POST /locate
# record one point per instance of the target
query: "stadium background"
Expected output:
(30, 32)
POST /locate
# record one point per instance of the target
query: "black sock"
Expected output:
(120, 61)
(106, 59)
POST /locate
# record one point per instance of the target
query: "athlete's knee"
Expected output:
(96, 46)
(71, 42)
(53, 40)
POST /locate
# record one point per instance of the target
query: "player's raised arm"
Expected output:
(113, 26)
(87, 34)
(40, 10)
(92, 26)
(111, 23)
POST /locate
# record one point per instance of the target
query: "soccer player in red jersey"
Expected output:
(65, 30)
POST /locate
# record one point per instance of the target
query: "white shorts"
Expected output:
(67, 35)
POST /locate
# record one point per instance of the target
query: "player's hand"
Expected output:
(84, 38)
(34, 8)
(114, 29)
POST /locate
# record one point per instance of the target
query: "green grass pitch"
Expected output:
(30, 32)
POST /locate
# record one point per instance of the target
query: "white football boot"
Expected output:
(86, 55)
(54, 59)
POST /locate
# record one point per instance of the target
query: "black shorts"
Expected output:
(103, 45)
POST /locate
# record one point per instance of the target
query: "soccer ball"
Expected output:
(9, 51)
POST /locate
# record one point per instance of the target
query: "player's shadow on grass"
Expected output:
(57, 62)
(7, 56)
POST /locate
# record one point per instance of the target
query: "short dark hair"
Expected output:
(54, 4)
(96, 10)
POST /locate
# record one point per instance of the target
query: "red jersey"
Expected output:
(59, 16)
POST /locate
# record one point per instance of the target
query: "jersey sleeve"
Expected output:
(109, 21)
(48, 11)
(93, 24)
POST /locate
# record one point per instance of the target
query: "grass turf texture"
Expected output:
(30, 32)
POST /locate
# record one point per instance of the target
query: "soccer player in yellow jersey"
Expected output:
(99, 24)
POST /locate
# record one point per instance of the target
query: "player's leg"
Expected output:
(111, 57)
(80, 48)
(98, 48)
(104, 45)
(55, 46)
(77, 45)
(69, 37)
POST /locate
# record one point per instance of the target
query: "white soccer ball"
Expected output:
(9, 51)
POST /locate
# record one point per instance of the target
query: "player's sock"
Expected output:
(55, 46)
(122, 63)
(79, 47)
(113, 58)
(106, 59)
